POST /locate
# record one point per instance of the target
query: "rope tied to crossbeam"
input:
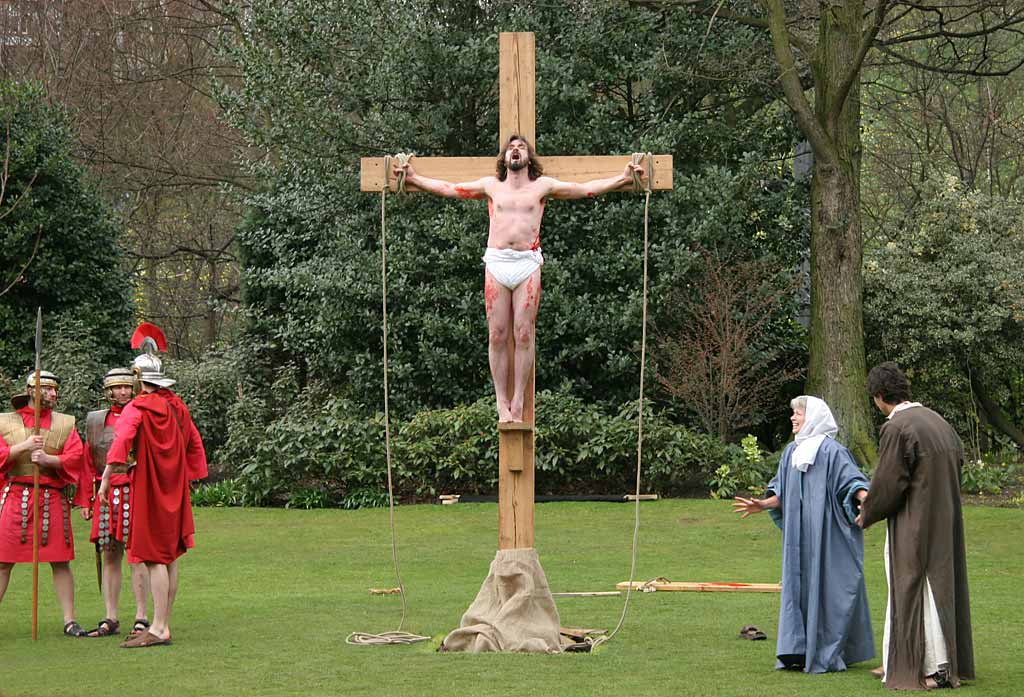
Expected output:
(397, 637)
(639, 185)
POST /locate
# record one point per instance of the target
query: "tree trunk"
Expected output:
(995, 416)
(837, 371)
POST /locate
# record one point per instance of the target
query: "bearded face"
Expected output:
(47, 396)
(517, 156)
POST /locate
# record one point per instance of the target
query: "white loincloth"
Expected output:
(510, 267)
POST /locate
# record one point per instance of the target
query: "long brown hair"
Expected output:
(533, 167)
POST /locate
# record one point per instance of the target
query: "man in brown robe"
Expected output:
(916, 488)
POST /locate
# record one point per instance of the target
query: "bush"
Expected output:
(749, 475)
(982, 477)
(326, 454)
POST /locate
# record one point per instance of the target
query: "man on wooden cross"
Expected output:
(516, 197)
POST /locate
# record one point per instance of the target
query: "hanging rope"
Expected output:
(638, 185)
(397, 637)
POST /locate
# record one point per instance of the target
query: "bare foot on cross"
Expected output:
(515, 409)
(505, 413)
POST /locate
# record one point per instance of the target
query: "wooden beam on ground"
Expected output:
(569, 168)
(701, 587)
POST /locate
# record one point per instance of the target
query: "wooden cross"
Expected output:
(516, 69)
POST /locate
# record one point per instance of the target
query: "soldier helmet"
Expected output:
(46, 379)
(148, 367)
(115, 377)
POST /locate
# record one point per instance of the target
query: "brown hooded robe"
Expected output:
(917, 488)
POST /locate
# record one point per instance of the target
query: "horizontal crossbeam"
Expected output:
(569, 168)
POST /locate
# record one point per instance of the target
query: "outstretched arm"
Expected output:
(594, 187)
(747, 507)
(473, 189)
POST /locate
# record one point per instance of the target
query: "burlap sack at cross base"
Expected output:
(513, 611)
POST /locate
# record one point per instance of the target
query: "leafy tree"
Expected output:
(59, 246)
(946, 296)
(822, 47)
(318, 91)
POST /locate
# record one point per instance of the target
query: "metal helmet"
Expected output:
(46, 379)
(115, 377)
(147, 366)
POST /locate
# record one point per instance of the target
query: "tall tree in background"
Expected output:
(59, 246)
(822, 47)
(137, 79)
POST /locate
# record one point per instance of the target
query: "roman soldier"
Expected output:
(57, 451)
(110, 520)
(169, 454)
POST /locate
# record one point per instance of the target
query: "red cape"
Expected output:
(162, 525)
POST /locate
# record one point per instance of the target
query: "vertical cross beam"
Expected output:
(517, 79)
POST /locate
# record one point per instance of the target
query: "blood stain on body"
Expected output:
(463, 192)
(490, 294)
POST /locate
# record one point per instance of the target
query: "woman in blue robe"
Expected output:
(824, 623)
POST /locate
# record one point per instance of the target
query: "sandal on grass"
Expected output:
(753, 633)
(106, 627)
(146, 640)
(73, 629)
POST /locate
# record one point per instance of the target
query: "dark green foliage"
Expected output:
(945, 299)
(329, 455)
(319, 91)
(75, 273)
(210, 388)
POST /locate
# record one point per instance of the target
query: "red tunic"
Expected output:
(169, 454)
(108, 522)
(57, 543)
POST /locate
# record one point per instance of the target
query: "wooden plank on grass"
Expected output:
(700, 587)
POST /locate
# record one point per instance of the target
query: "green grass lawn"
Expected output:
(268, 597)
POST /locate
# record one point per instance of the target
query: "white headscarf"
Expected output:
(819, 424)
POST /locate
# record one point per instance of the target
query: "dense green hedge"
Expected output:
(327, 455)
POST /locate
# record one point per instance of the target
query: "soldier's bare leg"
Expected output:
(498, 303)
(525, 303)
(112, 578)
(159, 586)
(140, 588)
(64, 585)
(172, 589)
(5, 577)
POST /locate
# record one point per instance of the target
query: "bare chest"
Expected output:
(526, 203)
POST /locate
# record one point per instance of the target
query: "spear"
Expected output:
(35, 481)
(99, 556)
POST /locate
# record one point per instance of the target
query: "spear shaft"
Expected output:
(38, 394)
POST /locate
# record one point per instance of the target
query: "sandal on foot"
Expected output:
(753, 633)
(938, 681)
(878, 672)
(146, 640)
(106, 627)
(73, 629)
(139, 627)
